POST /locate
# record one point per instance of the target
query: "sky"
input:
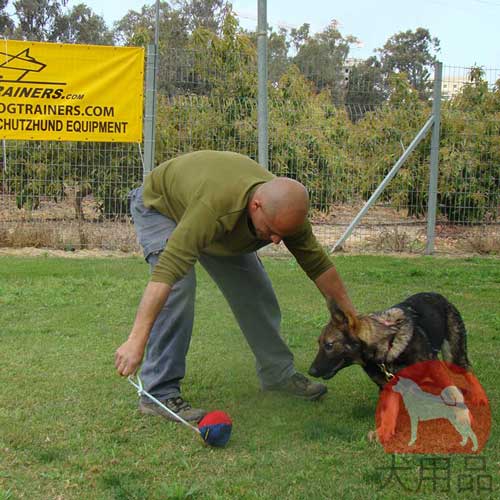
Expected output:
(466, 28)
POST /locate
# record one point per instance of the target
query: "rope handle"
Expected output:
(141, 392)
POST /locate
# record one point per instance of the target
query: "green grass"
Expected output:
(69, 427)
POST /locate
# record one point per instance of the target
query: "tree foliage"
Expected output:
(322, 57)
(203, 14)
(469, 182)
(37, 19)
(138, 27)
(6, 22)
(340, 139)
(50, 21)
(412, 53)
(82, 25)
(367, 88)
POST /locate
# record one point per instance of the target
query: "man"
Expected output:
(218, 208)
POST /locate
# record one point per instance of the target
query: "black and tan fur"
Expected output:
(415, 330)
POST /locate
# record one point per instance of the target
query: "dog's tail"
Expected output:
(455, 346)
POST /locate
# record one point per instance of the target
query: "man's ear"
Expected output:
(252, 206)
(342, 320)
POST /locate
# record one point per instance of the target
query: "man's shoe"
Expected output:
(177, 405)
(300, 386)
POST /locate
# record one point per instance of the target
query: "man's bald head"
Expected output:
(283, 196)
(284, 203)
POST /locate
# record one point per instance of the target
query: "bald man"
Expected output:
(218, 208)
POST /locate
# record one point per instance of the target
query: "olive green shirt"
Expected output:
(206, 193)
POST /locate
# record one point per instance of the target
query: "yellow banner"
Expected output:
(66, 92)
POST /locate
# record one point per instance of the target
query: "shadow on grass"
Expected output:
(363, 411)
(318, 430)
(49, 455)
(374, 477)
(123, 486)
(127, 486)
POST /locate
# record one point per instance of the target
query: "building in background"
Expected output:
(347, 68)
(452, 85)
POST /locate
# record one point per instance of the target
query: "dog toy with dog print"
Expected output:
(214, 428)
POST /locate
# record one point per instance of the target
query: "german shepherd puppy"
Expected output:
(415, 330)
(412, 331)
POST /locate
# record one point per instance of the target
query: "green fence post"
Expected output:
(433, 179)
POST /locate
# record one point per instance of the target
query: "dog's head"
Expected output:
(339, 345)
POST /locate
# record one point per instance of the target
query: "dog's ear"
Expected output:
(341, 319)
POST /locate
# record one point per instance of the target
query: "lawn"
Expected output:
(69, 428)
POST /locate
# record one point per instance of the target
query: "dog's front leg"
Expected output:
(414, 428)
(388, 416)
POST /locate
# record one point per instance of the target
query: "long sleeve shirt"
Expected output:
(207, 193)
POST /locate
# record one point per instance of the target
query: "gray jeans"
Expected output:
(246, 287)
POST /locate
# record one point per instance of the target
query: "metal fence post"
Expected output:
(262, 120)
(394, 170)
(4, 166)
(150, 110)
(433, 178)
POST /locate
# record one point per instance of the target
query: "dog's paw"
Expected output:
(372, 436)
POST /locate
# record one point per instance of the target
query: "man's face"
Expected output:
(264, 227)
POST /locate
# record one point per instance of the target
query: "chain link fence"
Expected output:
(67, 195)
(338, 135)
(341, 135)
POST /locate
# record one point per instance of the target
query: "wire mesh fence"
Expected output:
(341, 138)
(469, 182)
(338, 135)
(67, 195)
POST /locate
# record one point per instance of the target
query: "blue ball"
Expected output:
(215, 428)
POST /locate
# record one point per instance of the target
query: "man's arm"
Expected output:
(129, 355)
(331, 286)
(196, 230)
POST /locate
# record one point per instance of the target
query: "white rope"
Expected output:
(141, 391)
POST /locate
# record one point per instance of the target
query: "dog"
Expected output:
(422, 406)
(382, 343)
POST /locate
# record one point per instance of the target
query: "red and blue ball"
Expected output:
(215, 428)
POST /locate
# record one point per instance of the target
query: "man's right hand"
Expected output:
(128, 357)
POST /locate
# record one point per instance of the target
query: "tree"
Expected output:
(38, 19)
(300, 35)
(278, 46)
(177, 21)
(138, 28)
(207, 14)
(82, 25)
(412, 53)
(6, 23)
(225, 62)
(321, 58)
(366, 88)
(469, 184)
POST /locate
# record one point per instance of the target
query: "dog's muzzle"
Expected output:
(314, 372)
